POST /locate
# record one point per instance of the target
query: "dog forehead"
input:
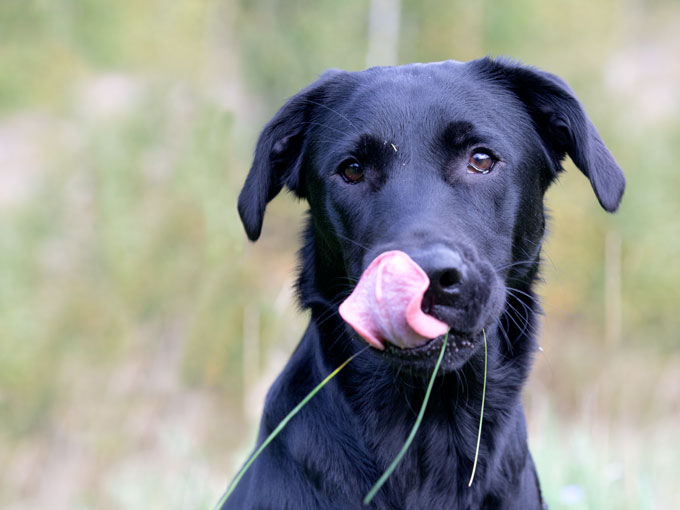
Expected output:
(413, 106)
(417, 96)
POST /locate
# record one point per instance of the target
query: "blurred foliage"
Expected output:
(129, 298)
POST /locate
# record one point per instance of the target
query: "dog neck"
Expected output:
(381, 403)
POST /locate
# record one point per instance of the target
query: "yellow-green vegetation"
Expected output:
(139, 330)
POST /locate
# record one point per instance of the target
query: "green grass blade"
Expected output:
(409, 440)
(481, 416)
(282, 424)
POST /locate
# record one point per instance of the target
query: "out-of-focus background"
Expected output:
(139, 330)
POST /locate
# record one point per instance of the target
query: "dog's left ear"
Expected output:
(564, 127)
(278, 155)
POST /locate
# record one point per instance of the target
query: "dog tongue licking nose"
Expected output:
(385, 304)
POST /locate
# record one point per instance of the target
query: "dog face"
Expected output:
(447, 162)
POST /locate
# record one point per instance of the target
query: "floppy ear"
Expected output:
(278, 155)
(565, 128)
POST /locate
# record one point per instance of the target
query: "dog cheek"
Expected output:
(495, 296)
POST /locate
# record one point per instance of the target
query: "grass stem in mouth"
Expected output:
(371, 494)
(481, 416)
(282, 424)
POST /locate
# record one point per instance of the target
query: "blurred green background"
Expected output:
(139, 330)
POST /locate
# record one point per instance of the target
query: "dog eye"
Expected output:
(480, 163)
(351, 172)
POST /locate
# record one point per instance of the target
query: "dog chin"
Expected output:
(460, 348)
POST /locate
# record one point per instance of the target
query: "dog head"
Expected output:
(447, 162)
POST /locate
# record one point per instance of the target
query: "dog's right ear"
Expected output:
(279, 154)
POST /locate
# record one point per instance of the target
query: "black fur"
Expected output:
(412, 129)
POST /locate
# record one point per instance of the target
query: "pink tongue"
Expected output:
(385, 304)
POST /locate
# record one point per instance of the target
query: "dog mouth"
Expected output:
(405, 313)
(460, 347)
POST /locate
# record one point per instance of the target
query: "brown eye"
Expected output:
(480, 163)
(352, 172)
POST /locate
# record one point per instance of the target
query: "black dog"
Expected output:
(449, 163)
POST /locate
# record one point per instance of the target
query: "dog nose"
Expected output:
(447, 272)
(445, 282)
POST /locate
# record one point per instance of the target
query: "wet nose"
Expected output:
(447, 272)
(445, 283)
